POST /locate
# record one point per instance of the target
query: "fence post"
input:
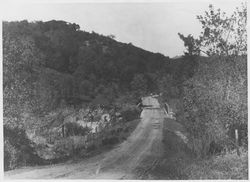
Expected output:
(237, 142)
(63, 131)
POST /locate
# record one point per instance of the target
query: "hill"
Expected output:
(54, 70)
(56, 61)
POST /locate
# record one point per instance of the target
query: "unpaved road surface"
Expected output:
(134, 157)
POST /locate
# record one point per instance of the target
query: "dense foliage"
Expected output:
(221, 35)
(215, 98)
(48, 62)
(215, 103)
(18, 149)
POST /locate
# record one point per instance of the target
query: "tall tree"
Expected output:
(221, 35)
(139, 85)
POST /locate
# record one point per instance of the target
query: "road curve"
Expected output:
(135, 156)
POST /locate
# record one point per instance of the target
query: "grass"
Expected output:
(179, 162)
(227, 166)
(177, 156)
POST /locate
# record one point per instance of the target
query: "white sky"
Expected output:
(151, 26)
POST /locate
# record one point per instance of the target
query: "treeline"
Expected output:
(48, 62)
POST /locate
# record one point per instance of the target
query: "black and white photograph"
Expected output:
(124, 90)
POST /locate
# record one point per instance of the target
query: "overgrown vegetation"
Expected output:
(214, 99)
(224, 166)
(215, 104)
(18, 149)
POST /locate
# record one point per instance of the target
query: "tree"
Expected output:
(139, 85)
(215, 97)
(222, 35)
(21, 61)
(86, 87)
(165, 86)
(212, 107)
(111, 36)
(192, 45)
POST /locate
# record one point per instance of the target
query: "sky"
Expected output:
(151, 26)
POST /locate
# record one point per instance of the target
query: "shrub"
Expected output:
(215, 103)
(110, 141)
(228, 166)
(91, 148)
(10, 156)
(63, 147)
(18, 149)
(130, 113)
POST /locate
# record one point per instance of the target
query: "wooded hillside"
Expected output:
(55, 61)
(51, 66)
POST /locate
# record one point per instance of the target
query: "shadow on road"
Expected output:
(176, 155)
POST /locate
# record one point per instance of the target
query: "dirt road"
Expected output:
(132, 158)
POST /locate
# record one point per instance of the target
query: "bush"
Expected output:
(130, 113)
(110, 141)
(63, 147)
(10, 156)
(18, 149)
(215, 103)
(91, 148)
